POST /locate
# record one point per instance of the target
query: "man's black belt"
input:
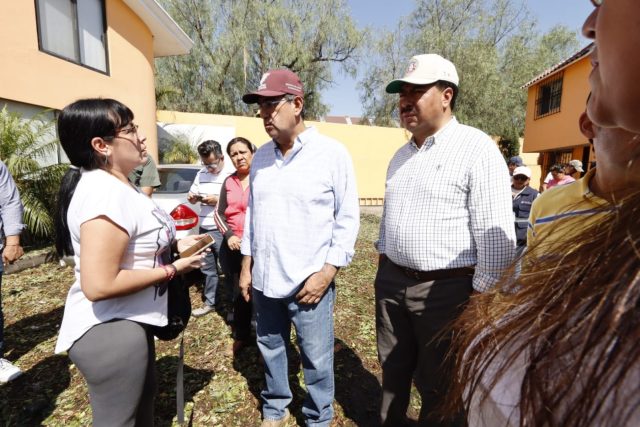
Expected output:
(446, 273)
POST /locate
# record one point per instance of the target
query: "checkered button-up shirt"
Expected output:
(448, 205)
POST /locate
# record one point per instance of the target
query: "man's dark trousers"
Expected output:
(412, 318)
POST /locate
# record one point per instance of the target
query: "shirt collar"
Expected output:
(307, 135)
(585, 191)
(441, 135)
(301, 140)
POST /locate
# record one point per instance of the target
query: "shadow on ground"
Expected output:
(194, 381)
(23, 335)
(31, 398)
(357, 389)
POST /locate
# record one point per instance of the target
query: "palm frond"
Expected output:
(26, 145)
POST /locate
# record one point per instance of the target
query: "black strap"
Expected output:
(180, 382)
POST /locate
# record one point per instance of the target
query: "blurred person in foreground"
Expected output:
(230, 217)
(300, 229)
(10, 228)
(561, 214)
(122, 244)
(559, 344)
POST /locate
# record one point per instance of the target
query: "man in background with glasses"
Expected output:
(300, 228)
(206, 190)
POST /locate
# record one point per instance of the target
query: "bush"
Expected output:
(25, 147)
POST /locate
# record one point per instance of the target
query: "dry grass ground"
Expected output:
(219, 390)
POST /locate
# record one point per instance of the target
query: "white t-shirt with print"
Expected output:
(151, 232)
(206, 183)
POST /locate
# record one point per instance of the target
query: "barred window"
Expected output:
(549, 97)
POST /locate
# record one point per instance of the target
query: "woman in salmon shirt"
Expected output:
(229, 217)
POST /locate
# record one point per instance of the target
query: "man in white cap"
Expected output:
(573, 167)
(523, 197)
(301, 226)
(446, 230)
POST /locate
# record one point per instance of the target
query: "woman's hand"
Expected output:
(234, 243)
(188, 241)
(185, 265)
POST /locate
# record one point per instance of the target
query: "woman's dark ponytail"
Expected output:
(67, 188)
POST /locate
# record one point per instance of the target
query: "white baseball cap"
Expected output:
(426, 69)
(522, 170)
(577, 165)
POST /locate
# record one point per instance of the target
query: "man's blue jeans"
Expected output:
(314, 329)
(210, 269)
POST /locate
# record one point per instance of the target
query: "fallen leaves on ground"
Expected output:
(219, 390)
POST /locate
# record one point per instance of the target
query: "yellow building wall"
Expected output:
(30, 76)
(559, 130)
(371, 147)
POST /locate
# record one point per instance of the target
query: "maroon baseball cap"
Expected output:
(276, 83)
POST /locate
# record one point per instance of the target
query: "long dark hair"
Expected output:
(574, 318)
(78, 124)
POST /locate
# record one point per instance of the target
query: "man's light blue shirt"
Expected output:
(10, 207)
(303, 212)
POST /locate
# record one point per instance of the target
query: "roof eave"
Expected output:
(560, 66)
(168, 38)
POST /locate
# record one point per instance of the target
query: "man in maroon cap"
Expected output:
(300, 228)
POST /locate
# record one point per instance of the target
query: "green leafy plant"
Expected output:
(177, 149)
(180, 152)
(26, 145)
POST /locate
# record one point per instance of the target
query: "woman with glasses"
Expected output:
(229, 217)
(121, 242)
(559, 344)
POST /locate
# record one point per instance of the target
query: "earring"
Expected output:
(106, 160)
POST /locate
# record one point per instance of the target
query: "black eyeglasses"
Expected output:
(133, 129)
(212, 165)
(266, 103)
(520, 177)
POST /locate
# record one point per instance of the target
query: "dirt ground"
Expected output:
(219, 390)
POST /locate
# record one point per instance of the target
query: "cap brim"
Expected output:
(396, 85)
(252, 97)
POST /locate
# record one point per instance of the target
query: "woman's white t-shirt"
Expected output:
(151, 232)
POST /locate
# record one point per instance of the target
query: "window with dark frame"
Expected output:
(549, 96)
(74, 30)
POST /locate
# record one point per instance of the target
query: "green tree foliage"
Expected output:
(495, 46)
(237, 40)
(24, 143)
